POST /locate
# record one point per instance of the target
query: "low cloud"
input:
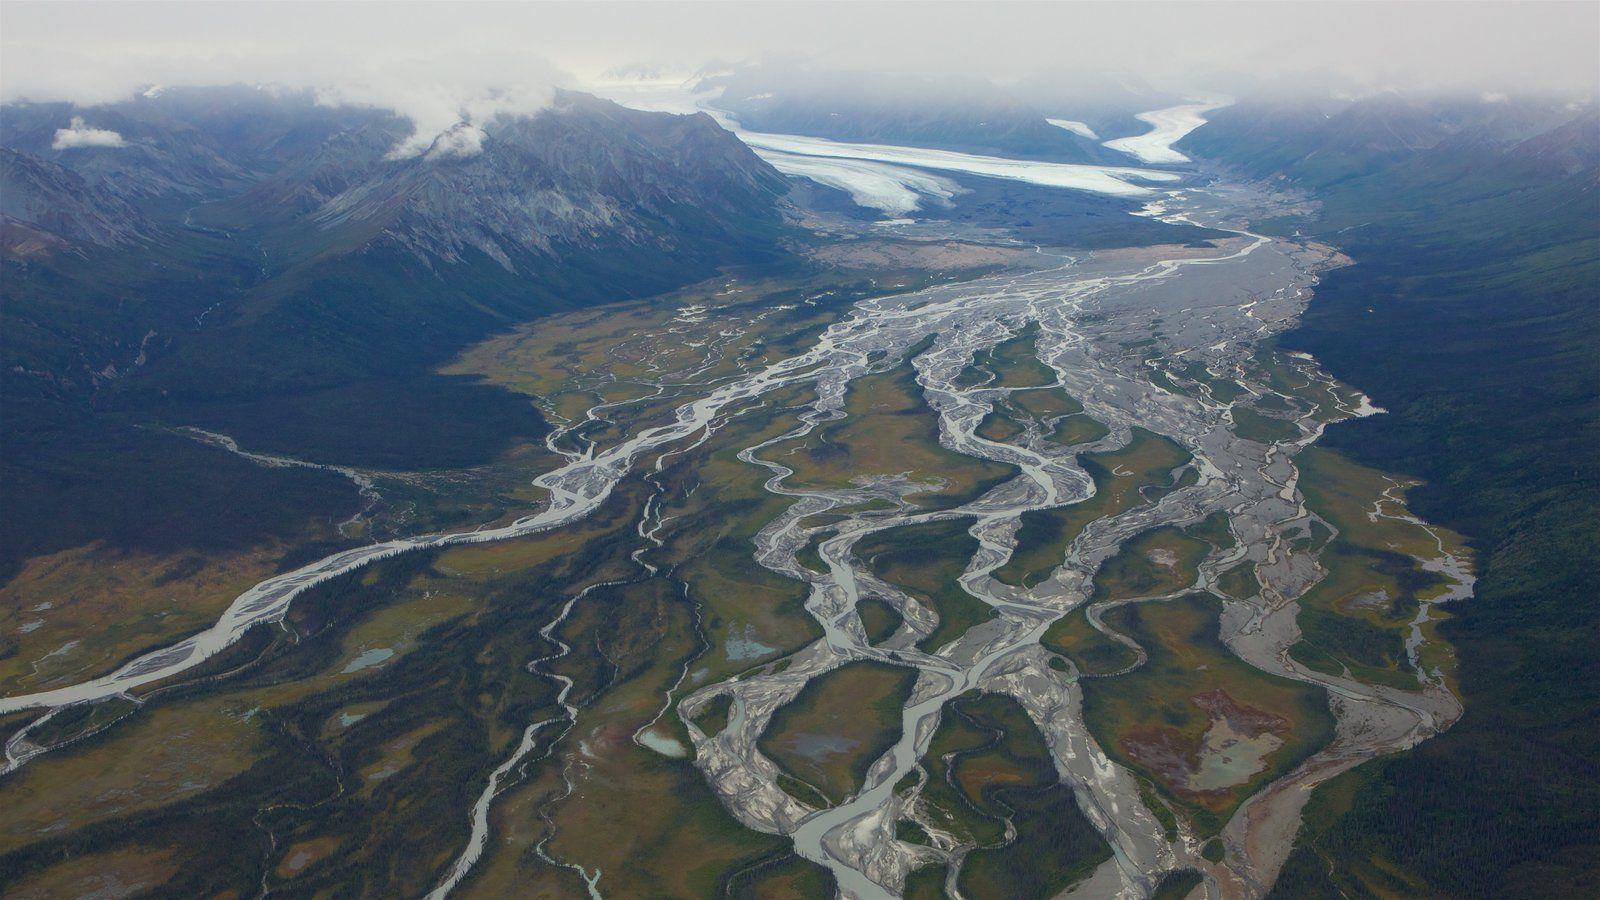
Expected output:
(437, 80)
(462, 140)
(449, 99)
(79, 134)
(446, 120)
(443, 65)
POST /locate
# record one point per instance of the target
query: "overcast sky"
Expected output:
(95, 52)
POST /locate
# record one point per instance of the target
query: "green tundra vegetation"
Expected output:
(1205, 728)
(889, 430)
(1177, 885)
(1293, 390)
(1092, 652)
(105, 606)
(1358, 616)
(1044, 403)
(1222, 390)
(1077, 429)
(785, 876)
(1156, 562)
(747, 617)
(371, 775)
(1120, 479)
(760, 621)
(998, 427)
(1149, 564)
(926, 883)
(1058, 417)
(749, 614)
(363, 700)
(1263, 429)
(1240, 582)
(194, 526)
(1012, 363)
(878, 619)
(630, 642)
(988, 763)
(926, 561)
(713, 717)
(838, 726)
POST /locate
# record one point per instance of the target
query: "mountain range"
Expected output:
(950, 112)
(263, 264)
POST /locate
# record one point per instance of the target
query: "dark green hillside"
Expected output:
(75, 327)
(334, 362)
(259, 267)
(69, 477)
(1473, 315)
(331, 363)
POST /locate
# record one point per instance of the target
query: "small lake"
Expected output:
(368, 659)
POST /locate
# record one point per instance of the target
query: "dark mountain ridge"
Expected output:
(1319, 141)
(257, 263)
(1107, 102)
(44, 202)
(961, 114)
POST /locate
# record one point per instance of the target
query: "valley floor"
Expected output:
(939, 565)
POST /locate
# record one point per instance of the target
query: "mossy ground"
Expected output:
(889, 431)
(1359, 615)
(1012, 363)
(1119, 477)
(988, 763)
(1170, 719)
(838, 725)
(926, 561)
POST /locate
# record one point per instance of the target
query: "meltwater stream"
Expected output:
(1211, 306)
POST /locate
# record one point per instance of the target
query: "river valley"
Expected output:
(1137, 387)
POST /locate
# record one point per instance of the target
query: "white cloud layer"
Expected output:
(99, 51)
(439, 85)
(461, 140)
(79, 134)
(449, 99)
(444, 65)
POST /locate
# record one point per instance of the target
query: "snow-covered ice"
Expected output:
(1115, 180)
(892, 189)
(879, 176)
(1168, 126)
(1078, 128)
